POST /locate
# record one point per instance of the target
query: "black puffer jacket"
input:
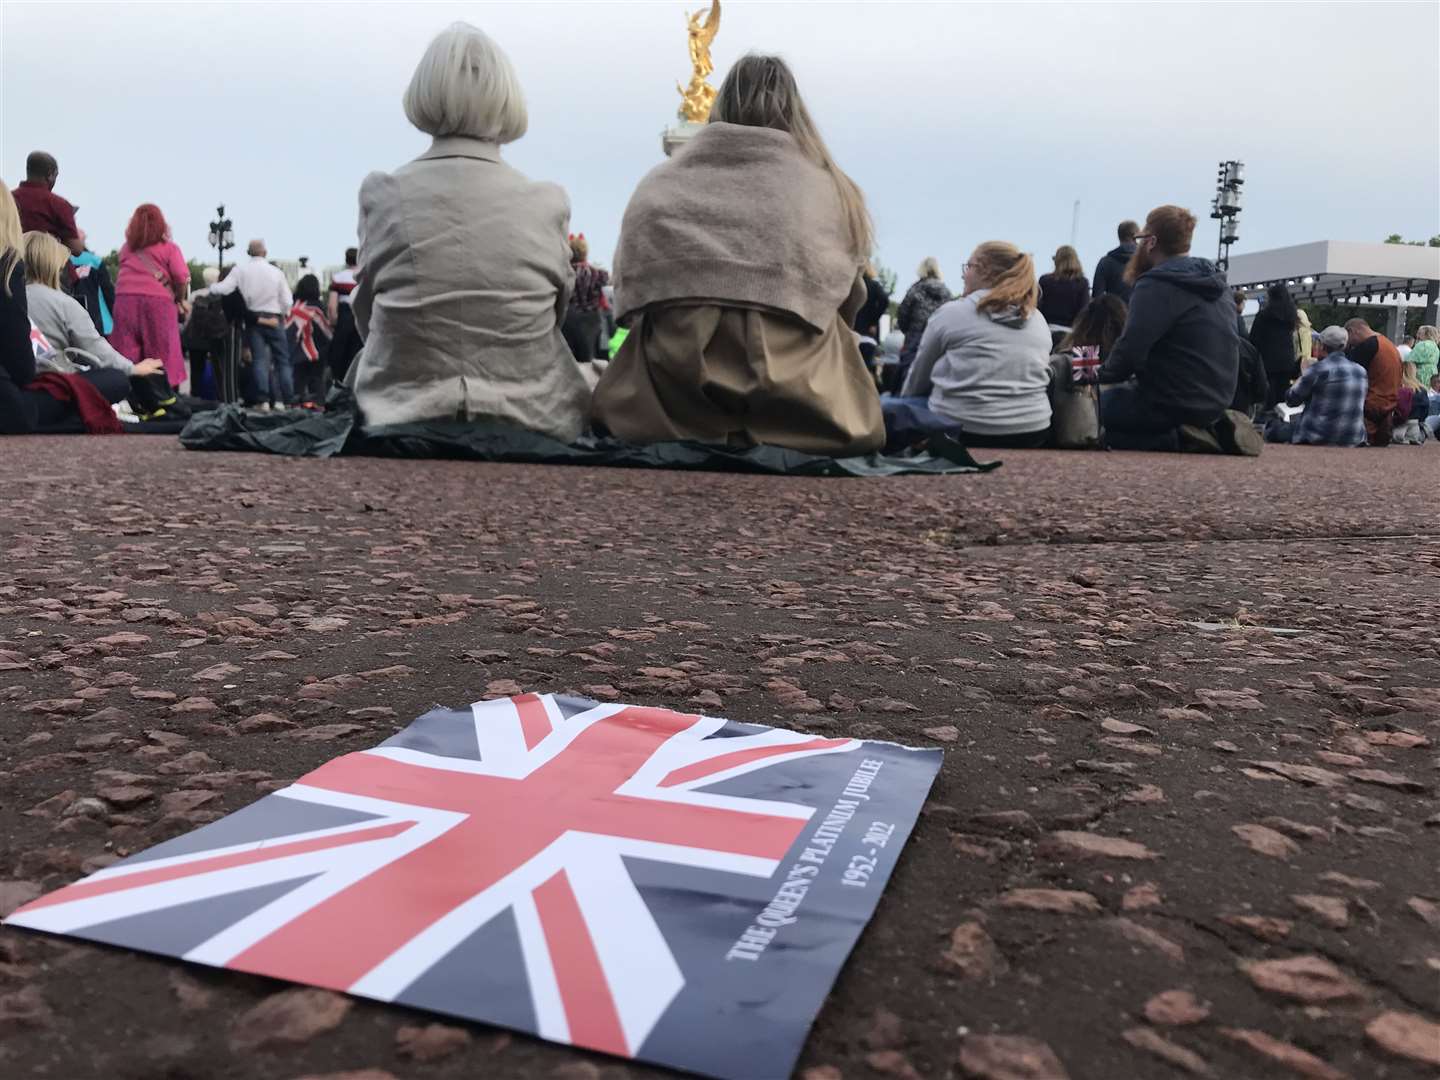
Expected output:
(923, 299)
(1179, 343)
(17, 357)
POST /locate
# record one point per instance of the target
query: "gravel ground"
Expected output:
(1166, 840)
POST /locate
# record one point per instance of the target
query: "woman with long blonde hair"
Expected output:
(17, 358)
(739, 274)
(1412, 406)
(983, 368)
(1425, 354)
(11, 242)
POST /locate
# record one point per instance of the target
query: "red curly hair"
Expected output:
(147, 226)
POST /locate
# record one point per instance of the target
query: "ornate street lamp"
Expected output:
(222, 238)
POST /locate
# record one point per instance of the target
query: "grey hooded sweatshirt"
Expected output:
(988, 371)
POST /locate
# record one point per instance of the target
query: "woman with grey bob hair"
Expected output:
(464, 264)
(464, 85)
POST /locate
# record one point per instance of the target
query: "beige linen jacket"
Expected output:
(465, 276)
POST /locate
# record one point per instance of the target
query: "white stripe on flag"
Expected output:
(643, 975)
(550, 1018)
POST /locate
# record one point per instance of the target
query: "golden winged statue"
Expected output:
(696, 99)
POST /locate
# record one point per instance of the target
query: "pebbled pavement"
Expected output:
(1167, 840)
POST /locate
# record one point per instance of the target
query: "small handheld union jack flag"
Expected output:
(1085, 365)
(650, 884)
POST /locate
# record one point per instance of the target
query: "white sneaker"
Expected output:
(264, 406)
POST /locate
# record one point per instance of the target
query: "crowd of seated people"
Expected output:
(744, 308)
(90, 338)
(77, 347)
(57, 372)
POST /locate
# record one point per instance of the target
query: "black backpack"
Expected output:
(207, 324)
(1252, 384)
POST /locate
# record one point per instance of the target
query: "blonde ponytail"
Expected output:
(1009, 274)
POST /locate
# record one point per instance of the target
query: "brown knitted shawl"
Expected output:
(739, 216)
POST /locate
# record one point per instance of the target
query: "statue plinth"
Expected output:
(678, 134)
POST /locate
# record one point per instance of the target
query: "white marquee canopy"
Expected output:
(1397, 276)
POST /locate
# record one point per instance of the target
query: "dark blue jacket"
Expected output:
(1179, 342)
(1110, 273)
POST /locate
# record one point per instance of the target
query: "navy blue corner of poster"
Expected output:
(748, 1018)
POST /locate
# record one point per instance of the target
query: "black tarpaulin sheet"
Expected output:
(339, 431)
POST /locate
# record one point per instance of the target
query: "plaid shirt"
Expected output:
(1333, 393)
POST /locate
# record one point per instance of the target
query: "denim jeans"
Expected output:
(269, 352)
(910, 419)
(1132, 423)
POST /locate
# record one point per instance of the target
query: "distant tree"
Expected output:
(197, 274)
(1395, 238)
(112, 264)
(1323, 315)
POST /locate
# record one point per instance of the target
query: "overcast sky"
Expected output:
(962, 122)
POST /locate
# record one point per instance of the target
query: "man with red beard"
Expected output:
(1178, 359)
(1380, 358)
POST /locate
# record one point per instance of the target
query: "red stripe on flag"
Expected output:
(584, 990)
(346, 935)
(83, 890)
(743, 757)
(534, 720)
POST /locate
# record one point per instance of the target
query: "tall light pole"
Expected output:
(222, 238)
(227, 365)
(1226, 207)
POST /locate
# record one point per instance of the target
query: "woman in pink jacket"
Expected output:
(154, 281)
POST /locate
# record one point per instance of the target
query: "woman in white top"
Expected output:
(466, 273)
(983, 367)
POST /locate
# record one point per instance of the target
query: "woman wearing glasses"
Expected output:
(983, 368)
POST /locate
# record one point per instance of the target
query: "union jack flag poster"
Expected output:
(675, 888)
